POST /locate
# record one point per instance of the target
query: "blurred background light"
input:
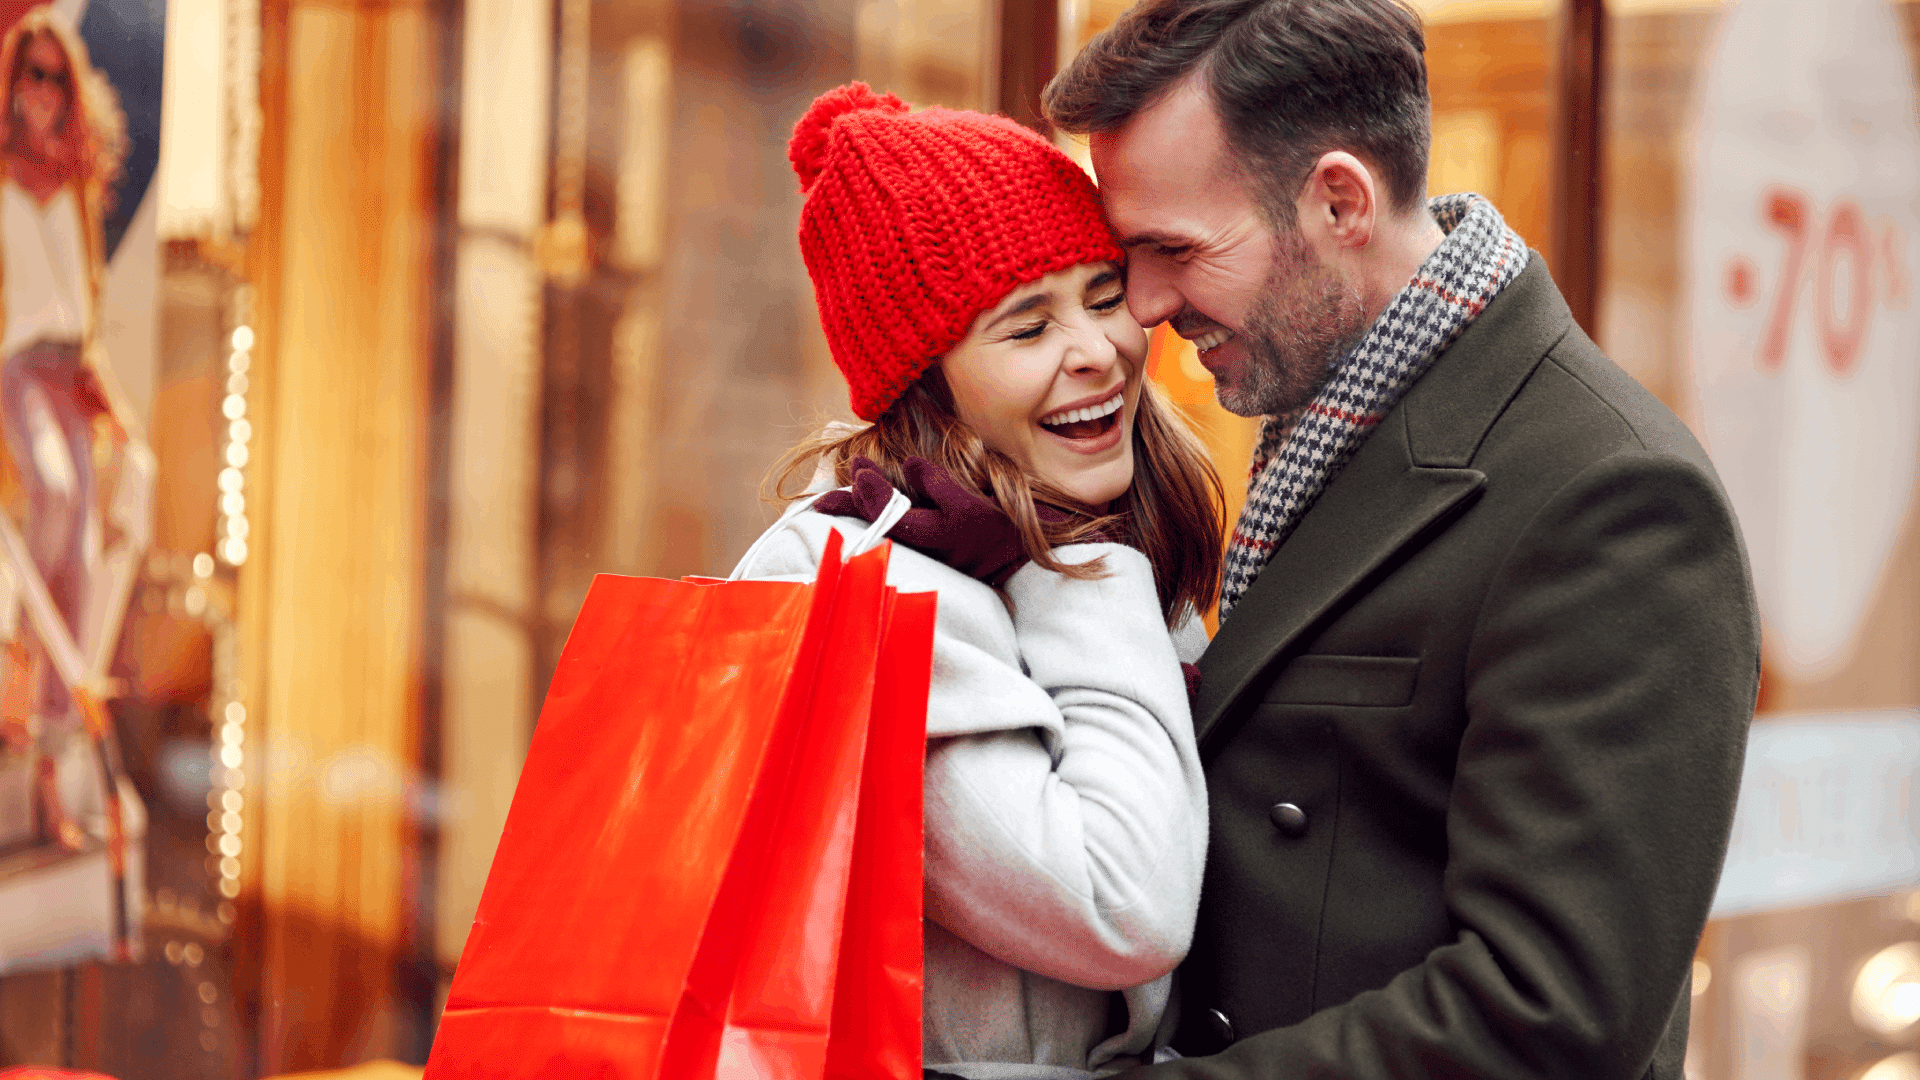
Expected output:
(1886, 992)
(1902, 1066)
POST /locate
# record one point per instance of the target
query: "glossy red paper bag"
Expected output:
(759, 999)
(636, 788)
(877, 996)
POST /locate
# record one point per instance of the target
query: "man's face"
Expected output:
(1267, 316)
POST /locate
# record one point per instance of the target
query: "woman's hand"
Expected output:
(947, 522)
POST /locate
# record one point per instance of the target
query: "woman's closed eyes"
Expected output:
(1106, 304)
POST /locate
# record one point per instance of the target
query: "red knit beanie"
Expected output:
(915, 223)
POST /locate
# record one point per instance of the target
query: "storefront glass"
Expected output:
(1759, 239)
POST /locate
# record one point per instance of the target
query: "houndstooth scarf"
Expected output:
(1300, 451)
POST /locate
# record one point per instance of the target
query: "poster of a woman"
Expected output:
(75, 498)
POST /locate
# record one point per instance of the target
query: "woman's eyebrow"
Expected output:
(1022, 307)
(1103, 279)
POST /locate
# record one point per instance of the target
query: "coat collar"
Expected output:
(1409, 480)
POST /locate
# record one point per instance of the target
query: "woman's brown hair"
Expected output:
(1172, 513)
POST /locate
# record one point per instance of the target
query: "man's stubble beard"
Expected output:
(1305, 319)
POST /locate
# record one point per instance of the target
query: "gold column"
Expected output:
(333, 591)
(490, 660)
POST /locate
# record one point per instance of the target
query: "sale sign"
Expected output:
(1805, 333)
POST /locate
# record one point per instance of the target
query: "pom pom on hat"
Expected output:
(916, 222)
(808, 148)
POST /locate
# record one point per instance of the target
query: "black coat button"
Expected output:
(1221, 1026)
(1289, 819)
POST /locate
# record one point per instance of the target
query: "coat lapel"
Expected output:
(1409, 480)
(1380, 502)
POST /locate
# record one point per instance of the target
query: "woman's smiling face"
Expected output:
(1050, 376)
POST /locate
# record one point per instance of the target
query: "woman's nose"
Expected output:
(1092, 351)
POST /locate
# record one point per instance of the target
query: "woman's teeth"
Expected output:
(1212, 339)
(1090, 412)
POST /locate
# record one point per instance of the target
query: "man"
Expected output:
(1474, 716)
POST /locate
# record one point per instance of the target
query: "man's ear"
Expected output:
(1339, 204)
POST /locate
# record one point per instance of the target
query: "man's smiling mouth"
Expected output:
(1087, 422)
(1212, 339)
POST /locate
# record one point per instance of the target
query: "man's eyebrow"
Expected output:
(1166, 239)
(1026, 305)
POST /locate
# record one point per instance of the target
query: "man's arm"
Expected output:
(1609, 684)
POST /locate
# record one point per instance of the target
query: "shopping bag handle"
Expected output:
(896, 508)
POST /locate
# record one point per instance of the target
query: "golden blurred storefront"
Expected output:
(457, 303)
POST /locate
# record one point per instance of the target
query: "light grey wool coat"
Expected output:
(1066, 814)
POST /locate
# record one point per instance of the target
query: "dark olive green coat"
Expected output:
(1505, 667)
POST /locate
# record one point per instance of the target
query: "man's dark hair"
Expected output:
(1291, 79)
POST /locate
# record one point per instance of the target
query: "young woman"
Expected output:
(974, 298)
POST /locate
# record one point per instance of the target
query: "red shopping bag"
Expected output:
(759, 996)
(669, 896)
(876, 1008)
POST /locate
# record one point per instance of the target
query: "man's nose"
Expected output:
(1151, 296)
